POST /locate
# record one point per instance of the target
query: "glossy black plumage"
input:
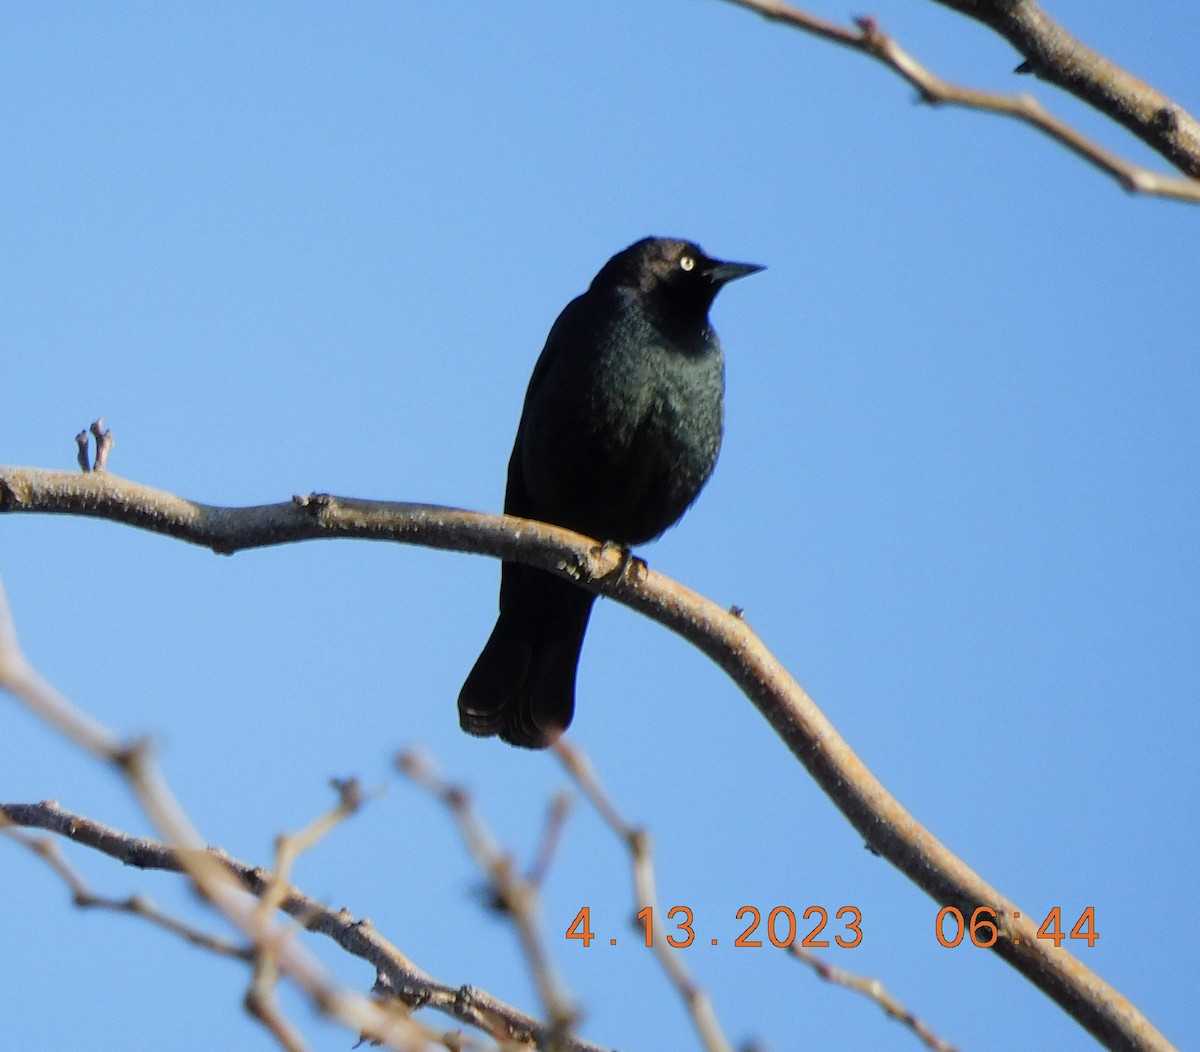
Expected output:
(620, 431)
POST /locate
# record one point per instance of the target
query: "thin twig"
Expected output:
(377, 1021)
(104, 444)
(84, 898)
(514, 895)
(260, 1000)
(873, 989)
(637, 841)
(83, 451)
(402, 978)
(556, 820)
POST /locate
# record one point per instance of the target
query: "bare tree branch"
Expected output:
(873, 989)
(1058, 57)
(84, 898)
(1054, 55)
(511, 894)
(260, 1000)
(556, 820)
(637, 843)
(401, 977)
(885, 825)
(217, 880)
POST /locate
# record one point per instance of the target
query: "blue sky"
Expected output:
(293, 247)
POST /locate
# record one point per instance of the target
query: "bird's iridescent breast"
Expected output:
(635, 431)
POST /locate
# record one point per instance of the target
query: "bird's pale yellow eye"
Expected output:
(687, 262)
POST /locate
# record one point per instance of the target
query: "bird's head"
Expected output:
(677, 271)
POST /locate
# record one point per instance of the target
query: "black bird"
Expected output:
(620, 432)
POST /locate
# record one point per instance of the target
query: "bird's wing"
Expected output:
(566, 333)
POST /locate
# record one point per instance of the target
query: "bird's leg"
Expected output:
(629, 562)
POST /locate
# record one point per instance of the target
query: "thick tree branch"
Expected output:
(885, 825)
(1054, 55)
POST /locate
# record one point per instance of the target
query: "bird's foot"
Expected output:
(631, 568)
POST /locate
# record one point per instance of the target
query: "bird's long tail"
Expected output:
(523, 684)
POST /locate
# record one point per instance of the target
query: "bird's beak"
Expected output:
(721, 273)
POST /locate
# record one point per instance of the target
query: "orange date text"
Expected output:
(780, 927)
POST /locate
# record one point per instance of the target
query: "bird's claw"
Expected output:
(630, 568)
